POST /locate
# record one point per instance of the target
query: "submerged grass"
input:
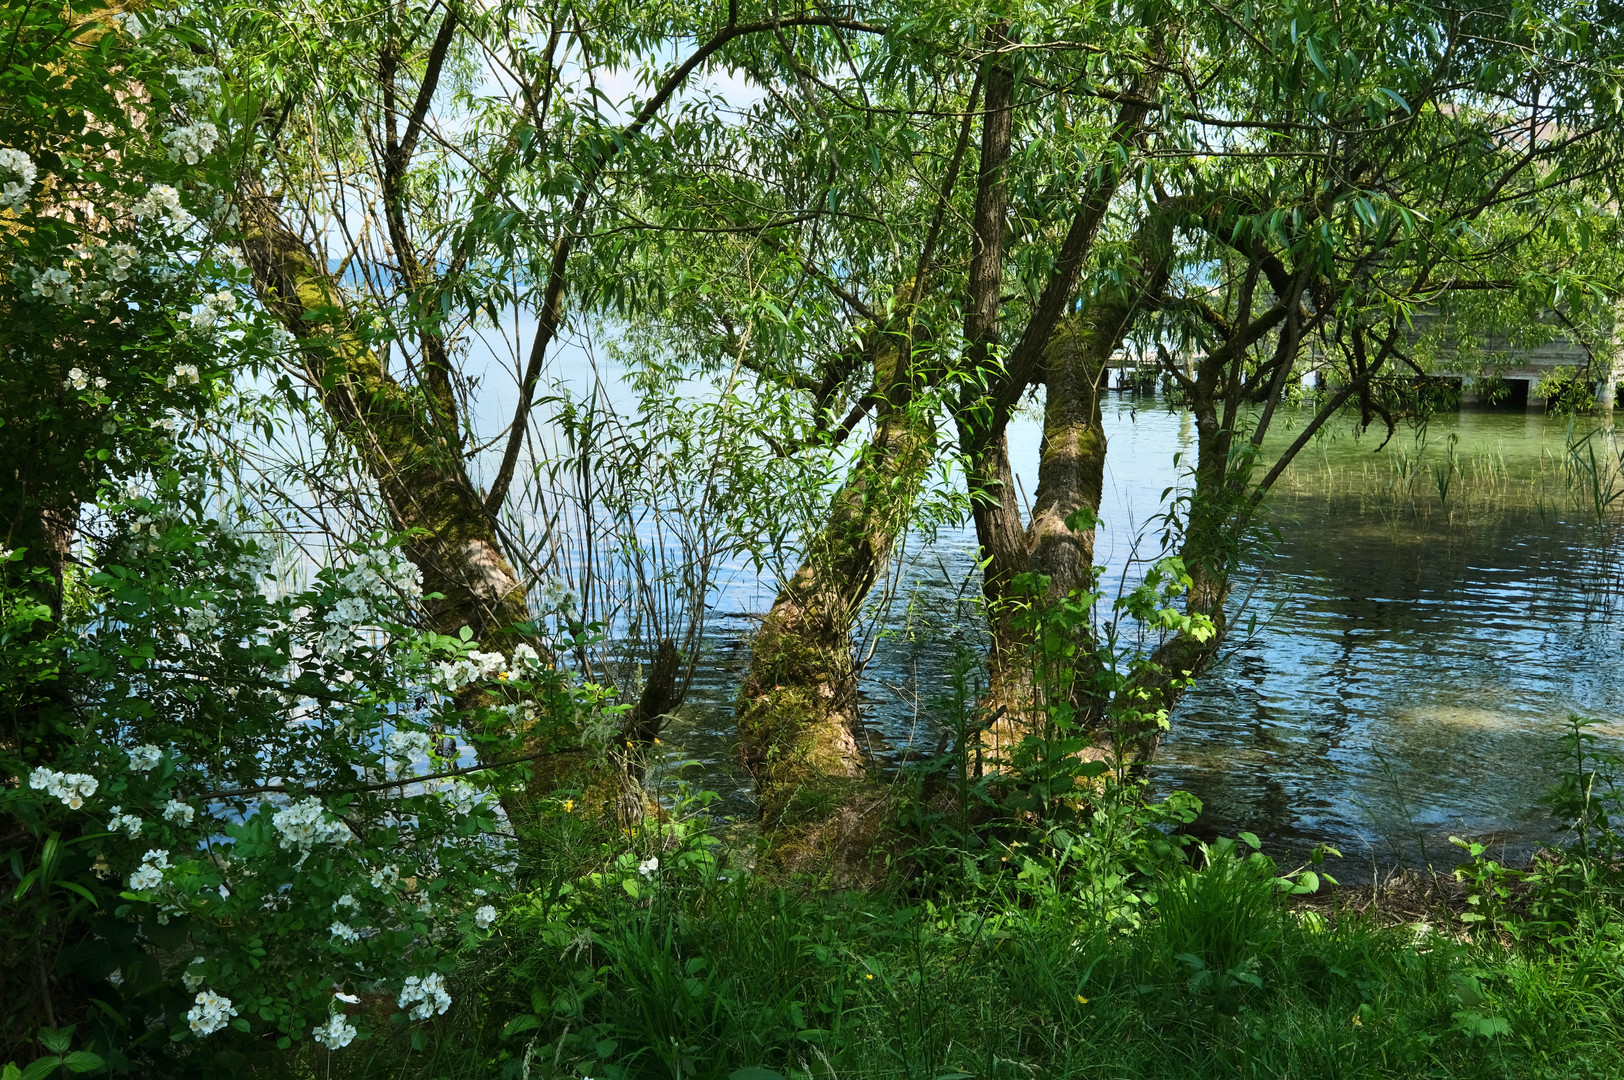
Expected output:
(702, 976)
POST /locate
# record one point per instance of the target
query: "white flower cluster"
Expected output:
(347, 900)
(336, 1033)
(192, 143)
(369, 585)
(150, 874)
(382, 581)
(426, 997)
(201, 620)
(453, 675)
(484, 917)
(127, 822)
(145, 758)
(213, 309)
(55, 285)
(305, 824)
(464, 798)
(197, 82)
(184, 375)
(409, 744)
(343, 933)
(14, 163)
(72, 788)
(211, 1013)
(385, 877)
(117, 259)
(178, 812)
(163, 202)
(554, 595)
(79, 379)
(526, 657)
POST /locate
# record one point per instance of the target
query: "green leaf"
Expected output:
(755, 1072)
(526, 1022)
(56, 1040)
(82, 1061)
(1400, 102)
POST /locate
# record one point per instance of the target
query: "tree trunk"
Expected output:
(799, 724)
(419, 470)
(1058, 541)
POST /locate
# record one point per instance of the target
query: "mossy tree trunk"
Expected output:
(410, 447)
(800, 727)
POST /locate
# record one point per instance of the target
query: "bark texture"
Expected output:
(799, 722)
(410, 446)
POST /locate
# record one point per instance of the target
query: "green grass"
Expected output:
(1221, 978)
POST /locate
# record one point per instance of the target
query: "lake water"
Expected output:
(1407, 648)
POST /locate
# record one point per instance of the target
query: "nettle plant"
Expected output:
(274, 794)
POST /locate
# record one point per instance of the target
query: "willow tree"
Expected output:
(414, 175)
(1373, 175)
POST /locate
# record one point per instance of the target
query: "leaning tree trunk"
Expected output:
(799, 724)
(417, 462)
(1057, 545)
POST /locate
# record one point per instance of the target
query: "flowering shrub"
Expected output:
(280, 800)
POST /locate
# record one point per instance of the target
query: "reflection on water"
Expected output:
(1426, 620)
(1437, 617)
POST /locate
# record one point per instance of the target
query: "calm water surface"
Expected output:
(1407, 649)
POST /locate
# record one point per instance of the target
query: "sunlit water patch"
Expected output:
(1408, 652)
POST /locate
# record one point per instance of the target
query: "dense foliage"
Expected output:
(338, 627)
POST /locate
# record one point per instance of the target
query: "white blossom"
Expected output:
(192, 143)
(305, 823)
(424, 997)
(213, 309)
(178, 812)
(463, 797)
(117, 259)
(347, 900)
(343, 933)
(18, 165)
(336, 1033)
(129, 823)
(72, 788)
(163, 202)
(484, 917)
(407, 744)
(210, 1014)
(555, 595)
(386, 876)
(192, 977)
(184, 375)
(146, 757)
(453, 675)
(201, 620)
(196, 82)
(649, 866)
(526, 657)
(150, 874)
(54, 284)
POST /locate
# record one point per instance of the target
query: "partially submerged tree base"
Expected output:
(800, 737)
